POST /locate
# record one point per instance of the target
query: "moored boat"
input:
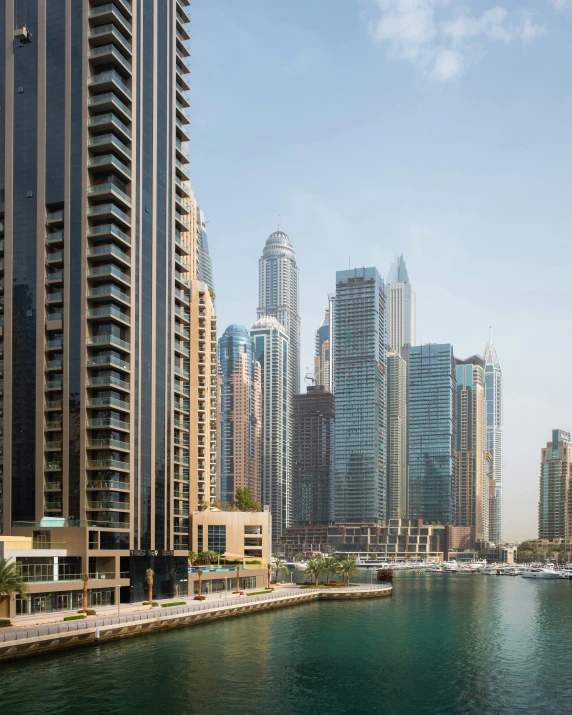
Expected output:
(540, 572)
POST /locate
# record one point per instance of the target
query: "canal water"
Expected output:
(444, 643)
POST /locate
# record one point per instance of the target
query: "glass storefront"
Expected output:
(219, 585)
(54, 601)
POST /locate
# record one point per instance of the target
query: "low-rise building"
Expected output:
(499, 554)
(234, 534)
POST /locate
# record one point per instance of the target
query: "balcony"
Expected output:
(107, 54)
(109, 311)
(108, 422)
(182, 170)
(107, 361)
(182, 130)
(109, 211)
(108, 402)
(182, 43)
(108, 230)
(108, 381)
(54, 277)
(109, 142)
(107, 163)
(105, 34)
(53, 486)
(54, 384)
(110, 81)
(109, 13)
(180, 294)
(109, 270)
(110, 102)
(108, 443)
(54, 298)
(54, 446)
(53, 467)
(55, 238)
(107, 464)
(55, 217)
(108, 250)
(56, 425)
(97, 505)
(113, 484)
(108, 339)
(53, 506)
(107, 122)
(109, 291)
(55, 344)
(109, 190)
(54, 258)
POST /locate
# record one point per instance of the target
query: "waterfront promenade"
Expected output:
(27, 639)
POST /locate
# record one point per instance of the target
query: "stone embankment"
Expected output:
(27, 641)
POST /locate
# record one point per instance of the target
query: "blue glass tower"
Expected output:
(431, 433)
(361, 390)
(238, 419)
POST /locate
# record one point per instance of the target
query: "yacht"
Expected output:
(434, 568)
(449, 567)
(566, 572)
(540, 572)
(372, 564)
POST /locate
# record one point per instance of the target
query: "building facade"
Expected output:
(99, 256)
(494, 439)
(239, 415)
(471, 482)
(431, 433)
(361, 392)
(272, 352)
(555, 502)
(397, 468)
(204, 261)
(313, 421)
(322, 352)
(233, 534)
(401, 307)
(278, 296)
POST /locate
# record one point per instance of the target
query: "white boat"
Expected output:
(434, 568)
(566, 572)
(540, 572)
(449, 567)
(372, 564)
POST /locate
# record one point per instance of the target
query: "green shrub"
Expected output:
(154, 604)
(73, 618)
(91, 612)
(257, 593)
(175, 603)
(199, 598)
(5, 622)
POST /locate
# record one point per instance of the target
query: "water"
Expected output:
(454, 643)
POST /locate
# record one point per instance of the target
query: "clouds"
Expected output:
(442, 41)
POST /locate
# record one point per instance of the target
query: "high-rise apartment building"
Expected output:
(431, 433)
(100, 288)
(322, 352)
(401, 307)
(239, 415)
(494, 437)
(278, 296)
(313, 457)
(555, 503)
(272, 351)
(397, 470)
(471, 497)
(361, 392)
(204, 261)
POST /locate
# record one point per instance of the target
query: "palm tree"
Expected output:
(200, 575)
(269, 574)
(329, 566)
(347, 568)
(237, 578)
(314, 568)
(149, 574)
(211, 556)
(193, 556)
(280, 568)
(11, 580)
(85, 579)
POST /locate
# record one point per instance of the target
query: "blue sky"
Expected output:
(433, 128)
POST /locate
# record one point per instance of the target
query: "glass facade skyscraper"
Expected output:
(397, 481)
(204, 261)
(431, 433)
(401, 307)
(494, 439)
(322, 352)
(360, 371)
(239, 418)
(555, 501)
(99, 268)
(272, 351)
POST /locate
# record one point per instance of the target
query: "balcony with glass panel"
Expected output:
(103, 232)
(102, 422)
(108, 402)
(108, 270)
(55, 238)
(107, 339)
(108, 443)
(107, 163)
(108, 359)
(109, 211)
(108, 250)
(109, 14)
(109, 122)
(109, 101)
(107, 142)
(109, 54)
(105, 34)
(110, 81)
(108, 291)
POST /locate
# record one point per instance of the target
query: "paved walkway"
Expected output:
(213, 602)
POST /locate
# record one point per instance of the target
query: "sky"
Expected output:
(439, 129)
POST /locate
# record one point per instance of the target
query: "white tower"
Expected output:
(401, 298)
(494, 438)
(278, 295)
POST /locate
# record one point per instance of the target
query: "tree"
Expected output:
(280, 568)
(329, 565)
(193, 556)
(11, 580)
(347, 568)
(269, 574)
(200, 575)
(244, 502)
(237, 578)
(314, 568)
(149, 577)
(85, 579)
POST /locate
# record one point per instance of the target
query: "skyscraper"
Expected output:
(401, 307)
(313, 457)
(278, 277)
(322, 352)
(272, 351)
(239, 418)
(471, 482)
(494, 438)
(204, 261)
(397, 470)
(555, 502)
(360, 389)
(98, 274)
(431, 433)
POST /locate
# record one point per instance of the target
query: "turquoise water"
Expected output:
(444, 643)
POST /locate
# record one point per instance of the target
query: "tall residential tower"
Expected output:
(494, 439)
(555, 502)
(98, 275)
(322, 352)
(401, 307)
(360, 370)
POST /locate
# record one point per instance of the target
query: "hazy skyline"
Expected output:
(428, 128)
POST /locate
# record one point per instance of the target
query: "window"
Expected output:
(217, 538)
